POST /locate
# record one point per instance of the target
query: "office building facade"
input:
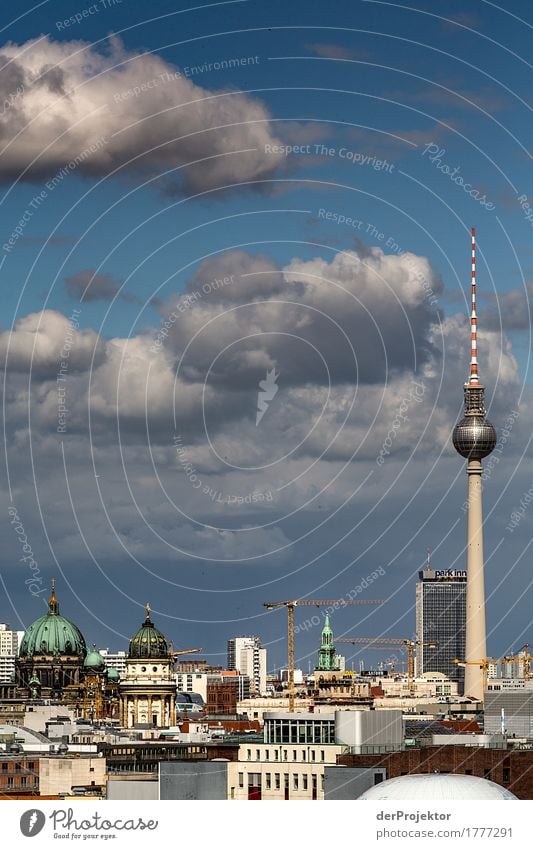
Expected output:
(441, 620)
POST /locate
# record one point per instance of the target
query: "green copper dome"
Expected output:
(94, 662)
(53, 634)
(112, 674)
(148, 641)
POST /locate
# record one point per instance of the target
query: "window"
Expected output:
(304, 781)
(268, 780)
(267, 754)
(303, 754)
(313, 755)
(31, 765)
(276, 755)
(486, 772)
(17, 767)
(241, 779)
(378, 777)
(258, 754)
(4, 767)
(23, 781)
(322, 755)
(506, 775)
(294, 755)
(10, 781)
(295, 782)
(277, 783)
(284, 754)
(249, 754)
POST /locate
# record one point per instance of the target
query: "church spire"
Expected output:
(53, 605)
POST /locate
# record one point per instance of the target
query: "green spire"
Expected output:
(327, 656)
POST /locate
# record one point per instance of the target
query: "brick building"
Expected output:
(511, 768)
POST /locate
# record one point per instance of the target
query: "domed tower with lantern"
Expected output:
(50, 659)
(148, 688)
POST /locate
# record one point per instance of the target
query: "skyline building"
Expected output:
(247, 656)
(474, 438)
(440, 620)
(9, 644)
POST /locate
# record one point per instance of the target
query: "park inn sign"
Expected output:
(443, 575)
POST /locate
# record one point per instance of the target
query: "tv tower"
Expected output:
(474, 437)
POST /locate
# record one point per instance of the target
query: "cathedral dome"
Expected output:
(148, 641)
(94, 662)
(53, 634)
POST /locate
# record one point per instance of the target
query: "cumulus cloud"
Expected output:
(40, 341)
(115, 108)
(358, 318)
(513, 310)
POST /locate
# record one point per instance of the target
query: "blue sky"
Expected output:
(389, 111)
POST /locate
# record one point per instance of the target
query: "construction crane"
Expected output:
(483, 664)
(386, 642)
(174, 654)
(307, 602)
(523, 656)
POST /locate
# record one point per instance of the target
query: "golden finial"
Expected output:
(53, 606)
(148, 609)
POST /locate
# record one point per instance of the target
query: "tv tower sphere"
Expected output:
(474, 437)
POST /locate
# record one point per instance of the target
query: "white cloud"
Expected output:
(151, 117)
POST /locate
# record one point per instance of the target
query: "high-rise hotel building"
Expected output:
(441, 620)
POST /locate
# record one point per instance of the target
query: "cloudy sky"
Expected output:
(235, 262)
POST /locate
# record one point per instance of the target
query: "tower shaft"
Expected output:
(474, 438)
(475, 638)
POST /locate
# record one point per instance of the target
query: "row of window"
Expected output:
(283, 754)
(30, 766)
(21, 781)
(299, 782)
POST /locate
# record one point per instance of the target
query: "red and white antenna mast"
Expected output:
(474, 378)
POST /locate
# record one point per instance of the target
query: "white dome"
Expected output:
(437, 786)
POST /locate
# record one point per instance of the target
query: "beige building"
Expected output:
(58, 775)
(148, 688)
